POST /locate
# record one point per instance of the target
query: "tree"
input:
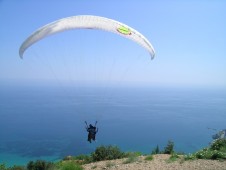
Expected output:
(169, 148)
(156, 150)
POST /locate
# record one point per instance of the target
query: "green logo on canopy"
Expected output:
(124, 30)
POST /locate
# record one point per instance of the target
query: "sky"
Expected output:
(189, 38)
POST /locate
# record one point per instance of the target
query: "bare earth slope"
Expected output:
(160, 162)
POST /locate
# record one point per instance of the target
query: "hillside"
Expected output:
(160, 161)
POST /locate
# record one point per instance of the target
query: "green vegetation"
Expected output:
(67, 165)
(156, 150)
(132, 157)
(17, 168)
(110, 164)
(107, 153)
(44, 165)
(81, 159)
(216, 151)
(169, 148)
(173, 157)
(149, 158)
(219, 144)
(39, 165)
(101, 153)
(3, 167)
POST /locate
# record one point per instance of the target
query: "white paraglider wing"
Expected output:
(87, 22)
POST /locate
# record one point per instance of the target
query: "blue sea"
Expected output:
(48, 122)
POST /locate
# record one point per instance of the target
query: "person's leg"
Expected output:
(89, 137)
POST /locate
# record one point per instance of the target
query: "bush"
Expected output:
(68, 165)
(3, 167)
(210, 154)
(84, 159)
(110, 164)
(156, 150)
(129, 154)
(216, 151)
(131, 157)
(189, 157)
(149, 158)
(219, 144)
(173, 158)
(107, 153)
(169, 148)
(16, 168)
(39, 165)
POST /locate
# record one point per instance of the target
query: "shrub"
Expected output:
(149, 158)
(169, 148)
(68, 165)
(210, 154)
(84, 159)
(173, 157)
(3, 167)
(219, 144)
(128, 154)
(216, 151)
(189, 157)
(156, 150)
(131, 157)
(110, 164)
(16, 168)
(39, 165)
(107, 153)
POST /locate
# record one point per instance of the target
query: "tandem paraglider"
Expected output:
(92, 131)
(87, 22)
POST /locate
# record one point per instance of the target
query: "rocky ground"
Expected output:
(159, 162)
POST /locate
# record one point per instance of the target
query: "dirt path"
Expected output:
(160, 162)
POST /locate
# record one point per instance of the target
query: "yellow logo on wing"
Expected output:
(124, 30)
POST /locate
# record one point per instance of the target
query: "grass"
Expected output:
(149, 158)
(173, 157)
(110, 164)
(68, 165)
(216, 151)
(132, 157)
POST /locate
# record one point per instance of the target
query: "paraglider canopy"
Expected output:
(87, 22)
